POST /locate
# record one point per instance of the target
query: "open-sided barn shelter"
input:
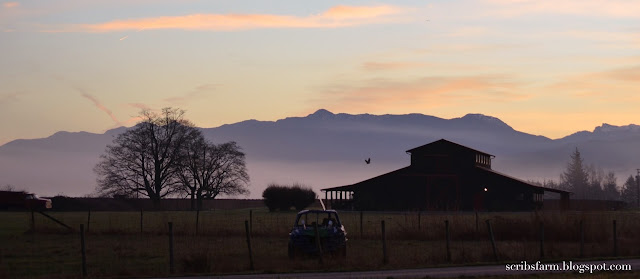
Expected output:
(442, 176)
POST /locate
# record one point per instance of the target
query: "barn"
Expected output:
(442, 176)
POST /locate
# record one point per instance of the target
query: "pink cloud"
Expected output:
(338, 16)
(431, 92)
(630, 74)
(350, 12)
(608, 8)
(599, 87)
(10, 5)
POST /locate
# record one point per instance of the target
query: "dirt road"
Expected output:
(448, 272)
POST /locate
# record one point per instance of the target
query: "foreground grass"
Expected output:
(116, 247)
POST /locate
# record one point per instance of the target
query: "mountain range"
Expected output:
(325, 149)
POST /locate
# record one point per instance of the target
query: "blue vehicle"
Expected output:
(331, 233)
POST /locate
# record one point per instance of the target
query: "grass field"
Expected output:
(116, 247)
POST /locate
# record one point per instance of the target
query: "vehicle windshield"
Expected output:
(323, 219)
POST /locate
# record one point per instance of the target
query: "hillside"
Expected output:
(325, 149)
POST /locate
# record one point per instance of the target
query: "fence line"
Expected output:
(562, 235)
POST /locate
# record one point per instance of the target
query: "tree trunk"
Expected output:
(156, 202)
(193, 199)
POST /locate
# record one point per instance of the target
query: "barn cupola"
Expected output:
(483, 160)
(445, 155)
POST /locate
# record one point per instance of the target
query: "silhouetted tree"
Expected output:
(8, 187)
(144, 159)
(285, 197)
(208, 170)
(302, 197)
(276, 197)
(593, 189)
(575, 178)
(630, 191)
(610, 187)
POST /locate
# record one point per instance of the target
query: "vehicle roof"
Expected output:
(317, 211)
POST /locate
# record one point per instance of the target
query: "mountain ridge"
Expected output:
(325, 149)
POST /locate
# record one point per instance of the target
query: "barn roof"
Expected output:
(407, 171)
(508, 177)
(443, 141)
(351, 187)
(411, 171)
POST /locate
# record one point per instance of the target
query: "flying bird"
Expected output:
(368, 161)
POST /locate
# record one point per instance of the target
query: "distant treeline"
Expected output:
(132, 204)
(127, 204)
(588, 182)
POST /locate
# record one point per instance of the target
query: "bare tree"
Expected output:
(209, 170)
(610, 186)
(8, 187)
(144, 159)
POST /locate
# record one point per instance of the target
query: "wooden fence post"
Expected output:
(582, 238)
(141, 227)
(197, 220)
(171, 263)
(615, 240)
(89, 219)
(251, 222)
(541, 240)
(448, 238)
(360, 224)
(246, 228)
(33, 222)
(493, 241)
(83, 251)
(385, 256)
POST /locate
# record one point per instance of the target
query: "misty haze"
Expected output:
(325, 149)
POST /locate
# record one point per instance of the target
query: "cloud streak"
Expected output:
(9, 98)
(100, 106)
(599, 86)
(390, 66)
(195, 93)
(338, 16)
(429, 92)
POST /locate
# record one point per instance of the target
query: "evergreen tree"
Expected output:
(575, 178)
(630, 192)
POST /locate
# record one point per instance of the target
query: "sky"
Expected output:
(545, 67)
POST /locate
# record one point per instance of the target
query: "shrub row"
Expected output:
(284, 197)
